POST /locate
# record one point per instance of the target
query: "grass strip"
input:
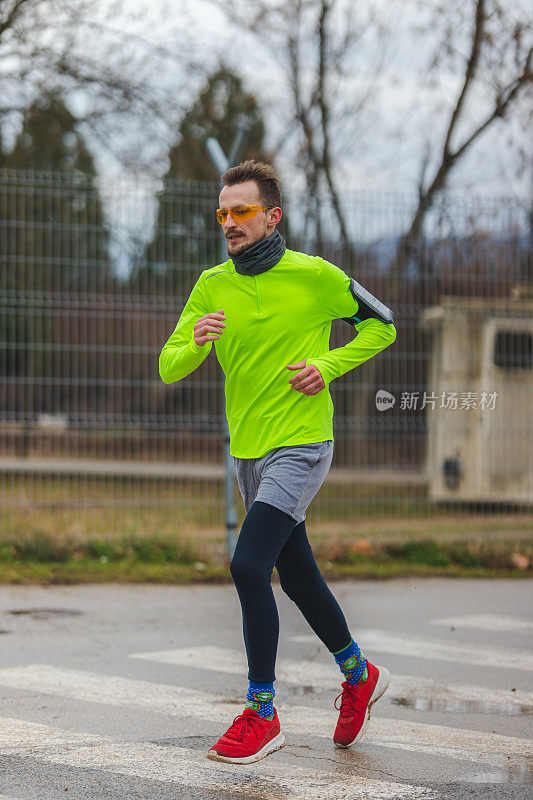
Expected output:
(43, 559)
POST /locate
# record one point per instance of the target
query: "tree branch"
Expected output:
(503, 100)
(325, 119)
(15, 12)
(470, 72)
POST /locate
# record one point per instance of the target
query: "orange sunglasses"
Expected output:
(240, 213)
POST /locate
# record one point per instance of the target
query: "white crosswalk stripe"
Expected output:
(458, 652)
(455, 743)
(412, 690)
(485, 622)
(185, 767)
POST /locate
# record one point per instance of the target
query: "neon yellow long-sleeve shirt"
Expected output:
(273, 319)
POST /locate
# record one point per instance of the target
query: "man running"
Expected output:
(269, 312)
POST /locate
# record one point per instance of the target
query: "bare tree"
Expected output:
(103, 61)
(315, 43)
(496, 69)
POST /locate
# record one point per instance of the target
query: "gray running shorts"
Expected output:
(286, 477)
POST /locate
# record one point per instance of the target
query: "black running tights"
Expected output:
(270, 537)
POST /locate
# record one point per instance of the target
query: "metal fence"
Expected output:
(94, 274)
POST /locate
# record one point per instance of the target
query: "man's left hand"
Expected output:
(309, 380)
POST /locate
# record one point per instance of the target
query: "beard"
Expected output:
(245, 247)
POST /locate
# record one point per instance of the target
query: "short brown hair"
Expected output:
(263, 174)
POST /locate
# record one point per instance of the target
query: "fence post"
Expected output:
(222, 163)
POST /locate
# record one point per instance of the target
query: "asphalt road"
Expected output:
(119, 691)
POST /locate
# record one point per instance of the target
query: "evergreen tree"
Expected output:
(186, 231)
(60, 241)
(53, 245)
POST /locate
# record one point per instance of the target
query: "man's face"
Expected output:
(240, 235)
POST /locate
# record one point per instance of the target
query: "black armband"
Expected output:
(369, 306)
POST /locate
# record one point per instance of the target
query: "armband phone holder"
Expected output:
(369, 306)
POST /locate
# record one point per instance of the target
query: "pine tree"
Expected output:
(61, 243)
(53, 248)
(186, 231)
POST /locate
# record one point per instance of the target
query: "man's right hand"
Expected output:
(209, 325)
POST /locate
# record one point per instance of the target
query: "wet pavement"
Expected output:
(119, 691)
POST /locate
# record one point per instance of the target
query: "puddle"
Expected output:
(296, 690)
(190, 742)
(287, 690)
(486, 777)
(45, 613)
(521, 771)
(462, 706)
(233, 700)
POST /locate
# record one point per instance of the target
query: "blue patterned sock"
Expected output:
(260, 697)
(352, 663)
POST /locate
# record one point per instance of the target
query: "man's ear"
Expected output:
(275, 216)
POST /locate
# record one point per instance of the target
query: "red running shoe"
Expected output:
(356, 702)
(248, 738)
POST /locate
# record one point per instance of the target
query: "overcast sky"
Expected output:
(382, 148)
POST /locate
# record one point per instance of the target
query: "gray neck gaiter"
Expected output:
(261, 256)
